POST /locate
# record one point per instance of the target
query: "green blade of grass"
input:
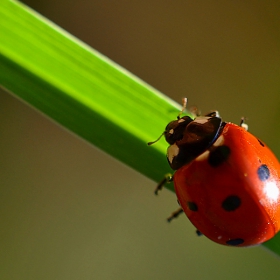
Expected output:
(84, 91)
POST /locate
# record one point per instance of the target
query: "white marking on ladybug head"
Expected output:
(220, 141)
(213, 114)
(181, 120)
(171, 131)
(201, 120)
(172, 152)
(203, 156)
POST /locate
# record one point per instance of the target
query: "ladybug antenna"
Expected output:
(184, 103)
(153, 142)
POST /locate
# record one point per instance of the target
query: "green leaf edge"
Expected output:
(85, 92)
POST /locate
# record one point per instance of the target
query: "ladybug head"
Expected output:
(174, 131)
(189, 138)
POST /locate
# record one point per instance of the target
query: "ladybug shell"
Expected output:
(231, 192)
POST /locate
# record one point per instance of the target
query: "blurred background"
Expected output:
(69, 211)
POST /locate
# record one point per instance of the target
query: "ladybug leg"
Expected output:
(198, 233)
(167, 179)
(243, 124)
(175, 214)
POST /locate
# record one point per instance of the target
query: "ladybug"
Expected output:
(227, 181)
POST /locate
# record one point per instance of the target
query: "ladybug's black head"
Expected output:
(174, 131)
(189, 138)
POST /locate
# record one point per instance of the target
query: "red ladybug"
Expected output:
(227, 180)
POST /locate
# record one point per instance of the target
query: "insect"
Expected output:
(227, 181)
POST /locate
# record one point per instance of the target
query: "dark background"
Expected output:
(72, 212)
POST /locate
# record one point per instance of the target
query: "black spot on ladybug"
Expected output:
(235, 242)
(218, 155)
(231, 203)
(263, 172)
(261, 143)
(192, 206)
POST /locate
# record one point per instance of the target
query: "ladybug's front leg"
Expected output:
(167, 179)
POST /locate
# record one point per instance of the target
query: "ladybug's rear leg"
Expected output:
(199, 233)
(175, 214)
(167, 179)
